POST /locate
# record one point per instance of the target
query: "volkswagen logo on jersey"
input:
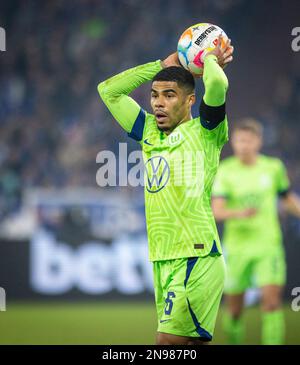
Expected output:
(158, 174)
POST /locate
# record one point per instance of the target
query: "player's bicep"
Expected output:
(211, 116)
(213, 119)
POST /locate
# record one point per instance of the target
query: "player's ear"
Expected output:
(192, 99)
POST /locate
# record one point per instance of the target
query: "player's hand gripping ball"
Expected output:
(196, 42)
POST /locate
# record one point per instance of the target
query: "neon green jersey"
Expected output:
(255, 186)
(179, 168)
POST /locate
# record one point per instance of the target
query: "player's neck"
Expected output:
(184, 120)
(248, 160)
(187, 118)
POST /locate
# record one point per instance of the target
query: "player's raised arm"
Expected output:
(214, 78)
(215, 82)
(212, 108)
(114, 93)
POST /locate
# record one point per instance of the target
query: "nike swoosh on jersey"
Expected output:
(164, 320)
(146, 142)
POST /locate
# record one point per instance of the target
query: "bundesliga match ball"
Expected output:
(194, 44)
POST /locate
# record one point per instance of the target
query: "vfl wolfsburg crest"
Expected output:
(158, 174)
(174, 138)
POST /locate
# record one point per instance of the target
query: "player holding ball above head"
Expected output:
(183, 241)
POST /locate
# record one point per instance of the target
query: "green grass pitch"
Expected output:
(107, 323)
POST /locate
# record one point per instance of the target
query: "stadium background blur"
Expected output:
(73, 255)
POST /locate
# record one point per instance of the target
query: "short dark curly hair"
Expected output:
(180, 75)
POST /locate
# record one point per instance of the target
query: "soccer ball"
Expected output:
(194, 44)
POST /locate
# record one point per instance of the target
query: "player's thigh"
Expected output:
(204, 290)
(239, 272)
(192, 294)
(172, 309)
(270, 268)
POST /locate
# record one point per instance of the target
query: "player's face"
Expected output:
(171, 104)
(246, 144)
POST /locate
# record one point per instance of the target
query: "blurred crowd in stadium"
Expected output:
(52, 122)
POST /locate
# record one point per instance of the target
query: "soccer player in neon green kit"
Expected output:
(183, 240)
(245, 196)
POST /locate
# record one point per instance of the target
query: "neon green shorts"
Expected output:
(252, 269)
(187, 294)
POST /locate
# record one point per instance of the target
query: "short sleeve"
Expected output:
(282, 180)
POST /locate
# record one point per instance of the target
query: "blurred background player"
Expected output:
(185, 250)
(245, 197)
